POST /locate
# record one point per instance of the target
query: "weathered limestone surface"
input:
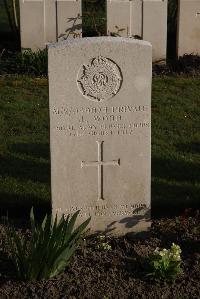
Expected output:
(188, 35)
(126, 15)
(46, 21)
(142, 18)
(32, 24)
(100, 105)
(155, 27)
(69, 20)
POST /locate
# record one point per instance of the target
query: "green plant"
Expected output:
(103, 244)
(93, 17)
(50, 248)
(166, 264)
(33, 62)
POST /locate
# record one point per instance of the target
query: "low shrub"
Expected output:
(26, 62)
(49, 249)
(188, 64)
(166, 264)
(103, 244)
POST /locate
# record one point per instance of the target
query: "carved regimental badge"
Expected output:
(100, 80)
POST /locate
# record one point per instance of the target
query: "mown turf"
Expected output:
(24, 147)
(24, 143)
(176, 142)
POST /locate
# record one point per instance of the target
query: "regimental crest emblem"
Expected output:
(99, 80)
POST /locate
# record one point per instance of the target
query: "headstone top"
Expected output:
(100, 40)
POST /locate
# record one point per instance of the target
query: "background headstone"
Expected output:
(126, 16)
(46, 21)
(146, 19)
(114, 22)
(69, 18)
(155, 27)
(188, 35)
(32, 24)
(100, 104)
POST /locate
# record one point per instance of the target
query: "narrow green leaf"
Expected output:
(62, 261)
(81, 228)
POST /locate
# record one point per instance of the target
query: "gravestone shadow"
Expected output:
(25, 169)
(37, 150)
(193, 147)
(74, 28)
(128, 222)
(175, 184)
(19, 205)
(26, 162)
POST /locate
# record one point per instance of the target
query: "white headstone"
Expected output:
(46, 21)
(32, 24)
(155, 27)
(69, 18)
(124, 17)
(145, 19)
(100, 107)
(188, 35)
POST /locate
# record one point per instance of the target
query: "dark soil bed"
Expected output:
(116, 273)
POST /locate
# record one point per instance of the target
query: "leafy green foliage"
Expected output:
(103, 244)
(94, 17)
(187, 64)
(166, 264)
(50, 248)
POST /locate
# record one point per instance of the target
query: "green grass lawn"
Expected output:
(24, 143)
(176, 142)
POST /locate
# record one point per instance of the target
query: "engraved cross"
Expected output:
(100, 164)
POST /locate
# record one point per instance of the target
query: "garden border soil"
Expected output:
(116, 273)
